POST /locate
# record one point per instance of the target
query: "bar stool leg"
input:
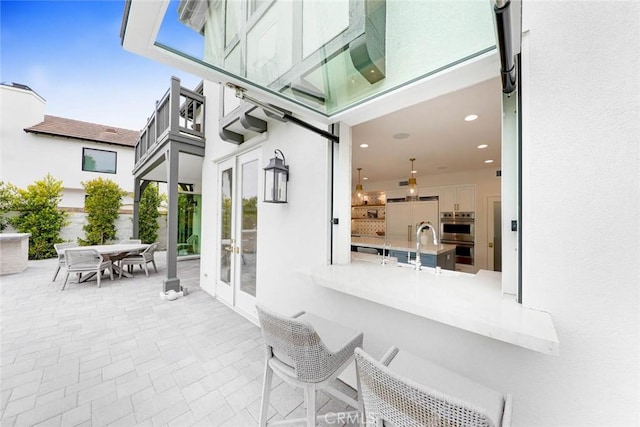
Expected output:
(310, 397)
(266, 392)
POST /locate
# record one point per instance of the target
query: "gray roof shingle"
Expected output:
(59, 126)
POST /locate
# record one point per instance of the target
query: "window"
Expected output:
(99, 160)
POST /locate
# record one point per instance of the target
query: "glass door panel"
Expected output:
(249, 229)
(226, 231)
(248, 171)
(189, 224)
(238, 184)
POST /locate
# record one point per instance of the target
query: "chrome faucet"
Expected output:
(422, 226)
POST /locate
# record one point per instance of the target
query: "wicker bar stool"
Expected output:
(404, 390)
(305, 358)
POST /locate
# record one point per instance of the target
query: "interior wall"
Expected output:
(487, 185)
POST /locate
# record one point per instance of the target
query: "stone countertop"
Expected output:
(401, 245)
(14, 236)
(472, 302)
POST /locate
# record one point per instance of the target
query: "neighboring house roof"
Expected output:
(59, 126)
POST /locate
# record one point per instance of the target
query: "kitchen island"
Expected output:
(431, 255)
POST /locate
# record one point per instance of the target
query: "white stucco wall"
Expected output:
(581, 130)
(27, 157)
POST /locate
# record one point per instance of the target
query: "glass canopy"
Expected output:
(328, 55)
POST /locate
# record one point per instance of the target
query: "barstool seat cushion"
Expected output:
(435, 377)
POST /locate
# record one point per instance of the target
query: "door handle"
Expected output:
(490, 244)
(228, 248)
(237, 249)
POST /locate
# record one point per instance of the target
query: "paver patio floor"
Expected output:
(122, 356)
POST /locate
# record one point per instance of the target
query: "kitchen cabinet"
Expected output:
(458, 198)
(368, 220)
(446, 261)
(402, 218)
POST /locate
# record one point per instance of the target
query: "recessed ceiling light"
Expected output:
(364, 178)
(414, 171)
(401, 135)
(364, 145)
(470, 117)
(481, 146)
(488, 161)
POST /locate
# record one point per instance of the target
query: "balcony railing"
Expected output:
(178, 114)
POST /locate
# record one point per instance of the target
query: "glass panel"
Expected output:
(269, 46)
(249, 232)
(457, 228)
(99, 160)
(329, 56)
(185, 22)
(189, 215)
(233, 61)
(226, 242)
(255, 5)
(322, 21)
(233, 17)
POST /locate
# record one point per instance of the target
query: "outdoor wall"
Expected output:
(215, 149)
(124, 224)
(581, 109)
(27, 157)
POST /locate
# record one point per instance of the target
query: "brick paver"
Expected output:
(121, 356)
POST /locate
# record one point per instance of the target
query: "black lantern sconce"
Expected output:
(276, 176)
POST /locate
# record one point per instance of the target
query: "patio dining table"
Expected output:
(114, 253)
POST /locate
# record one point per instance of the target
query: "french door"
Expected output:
(238, 230)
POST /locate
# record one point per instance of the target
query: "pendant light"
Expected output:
(412, 190)
(359, 193)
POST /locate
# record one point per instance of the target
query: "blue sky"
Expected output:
(69, 52)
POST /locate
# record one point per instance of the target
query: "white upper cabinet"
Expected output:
(458, 198)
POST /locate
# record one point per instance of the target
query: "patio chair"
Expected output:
(60, 248)
(416, 392)
(143, 258)
(86, 261)
(298, 354)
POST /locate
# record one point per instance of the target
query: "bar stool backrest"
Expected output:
(296, 343)
(402, 402)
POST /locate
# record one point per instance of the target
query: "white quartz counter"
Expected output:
(472, 302)
(401, 245)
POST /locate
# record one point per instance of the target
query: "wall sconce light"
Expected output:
(276, 176)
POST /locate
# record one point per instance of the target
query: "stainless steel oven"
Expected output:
(464, 253)
(458, 228)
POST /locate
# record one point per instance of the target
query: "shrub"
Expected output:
(8, 195)
(39, 215)
(102, 203)
(148, 214)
